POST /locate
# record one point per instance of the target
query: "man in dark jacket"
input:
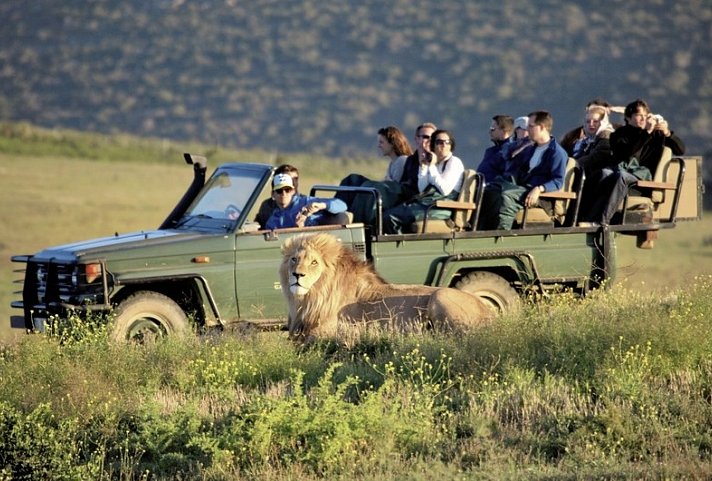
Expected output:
(643, 136)
(636, 150)
(535, 168)
(492, 164)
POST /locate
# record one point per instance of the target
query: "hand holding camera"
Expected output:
(427, 158)
(652, 121)
(657, 122)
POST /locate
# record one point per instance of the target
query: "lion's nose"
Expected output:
(297, 275)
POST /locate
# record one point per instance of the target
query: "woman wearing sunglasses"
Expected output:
(439, 177)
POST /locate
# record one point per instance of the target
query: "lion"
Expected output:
(328, 289)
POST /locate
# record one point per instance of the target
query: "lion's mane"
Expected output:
(327, 287)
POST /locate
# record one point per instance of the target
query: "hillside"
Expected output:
(322, 77)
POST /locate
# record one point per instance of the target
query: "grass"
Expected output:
(615, 386)
(679, 255)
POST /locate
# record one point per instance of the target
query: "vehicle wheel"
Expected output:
(494, 290)
(147, 316)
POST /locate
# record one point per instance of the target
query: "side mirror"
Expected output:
(198, 160)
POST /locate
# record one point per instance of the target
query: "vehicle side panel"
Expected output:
(690, 206)
(257, 261)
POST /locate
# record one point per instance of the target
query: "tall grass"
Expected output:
(614, 386)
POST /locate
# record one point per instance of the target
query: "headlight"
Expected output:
(92, 272)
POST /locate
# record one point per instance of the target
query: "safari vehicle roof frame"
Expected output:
(199, 181)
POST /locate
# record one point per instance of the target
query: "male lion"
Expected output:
(327, 288)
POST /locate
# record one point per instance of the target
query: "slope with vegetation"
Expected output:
(314, 76)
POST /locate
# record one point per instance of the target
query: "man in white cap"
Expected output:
(298, 210)
(268, 205)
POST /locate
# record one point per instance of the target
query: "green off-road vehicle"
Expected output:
(202, 268)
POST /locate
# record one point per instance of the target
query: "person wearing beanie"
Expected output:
(520, 128)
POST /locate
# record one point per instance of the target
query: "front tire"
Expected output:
(494, 290)
(146, 316)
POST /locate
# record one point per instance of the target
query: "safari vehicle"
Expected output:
(209, 264)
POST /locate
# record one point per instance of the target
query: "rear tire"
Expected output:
(146, 316)
(494, 290)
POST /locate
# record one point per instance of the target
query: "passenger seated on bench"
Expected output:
(439, 177)
(636, 149)
(517, 142)
(268, 205)
(534, 168)
(593, 154)
(297, 210)
(401, 180)
(500, 132)
(569, 139)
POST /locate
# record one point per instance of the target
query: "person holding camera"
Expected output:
(643, 137)
(636, 149)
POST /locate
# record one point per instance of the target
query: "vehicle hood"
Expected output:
(104, 246)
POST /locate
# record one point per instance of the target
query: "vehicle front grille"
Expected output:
(49, 282)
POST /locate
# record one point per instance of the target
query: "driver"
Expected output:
(232, 212)
(268, 205)
(298, 210)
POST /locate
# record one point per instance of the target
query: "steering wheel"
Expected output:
(232, 212)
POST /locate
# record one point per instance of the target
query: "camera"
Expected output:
(656, 118)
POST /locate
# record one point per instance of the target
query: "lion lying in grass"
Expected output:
(328, 290)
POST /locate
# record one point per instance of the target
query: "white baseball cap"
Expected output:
(282, 180)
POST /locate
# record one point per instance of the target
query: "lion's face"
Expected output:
(301, 268)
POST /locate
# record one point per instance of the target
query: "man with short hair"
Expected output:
(500, 131)
(268, 205)
(298, 210)
(535, 168)
(643, 136)
(636, 148)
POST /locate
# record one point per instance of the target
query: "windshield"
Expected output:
(224, 197)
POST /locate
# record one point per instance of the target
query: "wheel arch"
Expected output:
(507, 272)
(189, 292)
(517, 268)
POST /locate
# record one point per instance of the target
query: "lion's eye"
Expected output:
(314, 262)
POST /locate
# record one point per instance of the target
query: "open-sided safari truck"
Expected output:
(210, 265)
